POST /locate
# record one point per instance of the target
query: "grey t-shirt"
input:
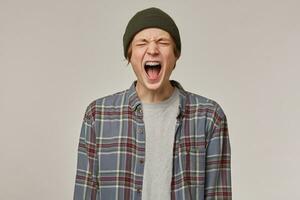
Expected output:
(160, 121)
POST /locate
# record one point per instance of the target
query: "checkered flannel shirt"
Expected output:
(112, 149)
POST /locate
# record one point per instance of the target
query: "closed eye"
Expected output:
(140, 44)
(164, 41)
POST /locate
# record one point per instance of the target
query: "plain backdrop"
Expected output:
(57, 56)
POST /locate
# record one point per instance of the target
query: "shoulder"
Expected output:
(198, 104)
(204, 103)
(108, 102)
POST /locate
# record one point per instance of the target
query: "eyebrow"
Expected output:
(157, 40)
(141, 40)
(164, 39)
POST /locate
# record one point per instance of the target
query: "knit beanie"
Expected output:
(150, 18)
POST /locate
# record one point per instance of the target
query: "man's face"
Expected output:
(152, 58)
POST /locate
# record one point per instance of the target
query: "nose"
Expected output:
(152, 49)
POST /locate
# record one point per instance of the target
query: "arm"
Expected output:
(218, 153)
(86, 183)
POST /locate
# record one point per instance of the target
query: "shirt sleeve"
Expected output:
(86, 183)
(218, 160)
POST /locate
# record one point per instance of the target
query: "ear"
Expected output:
(176, 61)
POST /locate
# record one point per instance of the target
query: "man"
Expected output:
(155, 140)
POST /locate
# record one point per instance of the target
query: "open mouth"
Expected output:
(152, 69)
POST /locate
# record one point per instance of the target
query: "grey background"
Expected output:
(57, 56)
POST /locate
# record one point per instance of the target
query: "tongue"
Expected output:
(153, 73)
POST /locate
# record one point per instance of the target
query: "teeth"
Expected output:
(152, 63)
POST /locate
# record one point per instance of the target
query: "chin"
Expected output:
(154, 86)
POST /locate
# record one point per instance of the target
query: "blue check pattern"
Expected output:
(112, 146)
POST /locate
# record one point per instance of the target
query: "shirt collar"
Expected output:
(135, 102)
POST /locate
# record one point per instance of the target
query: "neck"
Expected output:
(154, 96)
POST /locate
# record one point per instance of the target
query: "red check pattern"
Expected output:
(111, 146)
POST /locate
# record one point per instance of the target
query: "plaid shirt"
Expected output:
(111, 150)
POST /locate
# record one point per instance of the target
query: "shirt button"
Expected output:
(139, 110)
(139, 190)
(140, 131)
(142, 161)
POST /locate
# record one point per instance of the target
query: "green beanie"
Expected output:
(150, 18)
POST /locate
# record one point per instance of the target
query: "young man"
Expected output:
(154, 141)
